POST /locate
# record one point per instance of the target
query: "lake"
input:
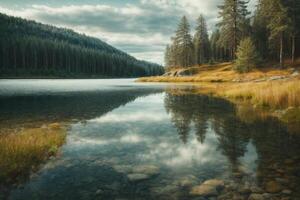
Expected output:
(128, 140)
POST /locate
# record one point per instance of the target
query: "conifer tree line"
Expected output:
(272, 30)
(29, 49)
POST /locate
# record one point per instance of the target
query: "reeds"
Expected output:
(22, 152)
(274, 94)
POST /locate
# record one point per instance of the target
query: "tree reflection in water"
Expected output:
(278, 151)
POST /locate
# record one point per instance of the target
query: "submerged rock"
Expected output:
(287, 192)
(256, 190)
(137, 173)
(168, 189)
(204, 190)
(215, 182)
(267, 195)
(149, 170)
(146, 169)
(273, 187)
(187, 181)
(256, 197)
(124, 169)
(208, 188)
(137, 177)
(99, 191)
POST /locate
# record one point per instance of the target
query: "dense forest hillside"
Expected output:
(30, 49)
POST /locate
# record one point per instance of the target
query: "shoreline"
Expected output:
(275, 92)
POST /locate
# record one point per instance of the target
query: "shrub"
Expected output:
(247, 56)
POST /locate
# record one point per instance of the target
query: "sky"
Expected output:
(141, 28)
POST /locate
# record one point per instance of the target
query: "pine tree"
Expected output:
(215, 47)
(201, 42)
(261, 32)
(168, 56)
(234, 23)
(247, 56)
(293, 12)
(278, 24)
(183, 45)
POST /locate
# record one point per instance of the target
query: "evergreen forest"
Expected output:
(273, 29)
(31, 49)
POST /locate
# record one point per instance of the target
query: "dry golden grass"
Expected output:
(222, 72)
(223, 81)
(21, 152)
(274, 94)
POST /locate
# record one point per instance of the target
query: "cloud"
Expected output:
(131, 117)
(142, 28)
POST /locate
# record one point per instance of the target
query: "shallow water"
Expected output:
(140, 141)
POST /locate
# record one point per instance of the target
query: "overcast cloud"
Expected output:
(141, 28)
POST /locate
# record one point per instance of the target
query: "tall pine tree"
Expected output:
(183, 44)
(277, 22)
(233, 25)
(293, 12)
(201, 42)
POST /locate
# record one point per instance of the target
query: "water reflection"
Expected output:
(264, 140)
(66, 106)
(159, 145)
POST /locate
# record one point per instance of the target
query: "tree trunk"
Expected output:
(293, 48)
(235, 30)
(281, 51)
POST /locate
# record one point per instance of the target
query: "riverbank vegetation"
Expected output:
(269, 87)
(256, 54)
(22, 152)
(270, 33)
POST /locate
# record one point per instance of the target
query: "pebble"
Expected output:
(256, 197)
(99, 191)
(286, 192)
(267, 195)
(255, 189)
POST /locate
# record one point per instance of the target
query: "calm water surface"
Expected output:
(147, 141)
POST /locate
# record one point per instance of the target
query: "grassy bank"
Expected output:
(269, 87)
(222, 72)
(273, 94)
(24, 151)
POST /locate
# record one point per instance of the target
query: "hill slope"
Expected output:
(28, 48)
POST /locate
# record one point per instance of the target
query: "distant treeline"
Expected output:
(274, 29)
(30, 49)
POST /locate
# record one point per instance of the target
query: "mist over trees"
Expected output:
(31, 49)
(273, 28)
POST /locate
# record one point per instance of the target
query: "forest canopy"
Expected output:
(31, 49)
